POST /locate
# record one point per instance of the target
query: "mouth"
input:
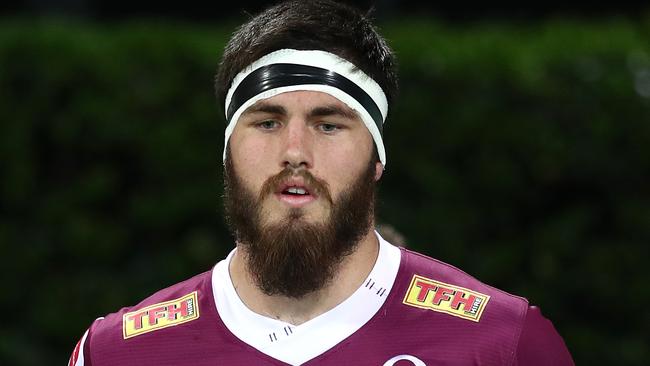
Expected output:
(296, 191)
(295, 194)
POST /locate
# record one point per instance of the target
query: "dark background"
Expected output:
(384, 9)
(519, 151)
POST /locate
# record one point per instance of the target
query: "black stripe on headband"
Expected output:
(279, 75)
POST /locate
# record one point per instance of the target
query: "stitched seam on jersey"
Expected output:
(393, 292)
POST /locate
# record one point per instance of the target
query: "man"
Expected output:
(306, 87)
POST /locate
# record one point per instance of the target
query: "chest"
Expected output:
(402, 336)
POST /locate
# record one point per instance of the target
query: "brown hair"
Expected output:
(310, 25)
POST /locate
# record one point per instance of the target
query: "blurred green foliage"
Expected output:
(517, 152)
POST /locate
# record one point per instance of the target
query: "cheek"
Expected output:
(250, 163)
(343, 164)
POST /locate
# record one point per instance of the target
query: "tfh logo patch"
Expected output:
(445, 298)
(161, 315)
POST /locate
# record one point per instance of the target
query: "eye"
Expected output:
(267, 125)
(328, 127)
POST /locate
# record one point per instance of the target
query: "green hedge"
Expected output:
(519, 153)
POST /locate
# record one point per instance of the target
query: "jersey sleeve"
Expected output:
(81, 354)
(540, 344)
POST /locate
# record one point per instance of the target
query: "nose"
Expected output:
(297, 145)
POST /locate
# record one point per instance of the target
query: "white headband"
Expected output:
(351, 86)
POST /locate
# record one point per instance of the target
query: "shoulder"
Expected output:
(177, 304)
(453, 302)
(429, 272)
(501, 318)
(180, 295)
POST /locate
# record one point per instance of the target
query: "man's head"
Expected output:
(306, 86)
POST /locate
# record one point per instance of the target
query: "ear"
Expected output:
(379, 170)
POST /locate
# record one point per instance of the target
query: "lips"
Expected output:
(295, 187)
(294, 193)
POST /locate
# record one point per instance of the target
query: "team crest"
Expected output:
(464, 303)
(161, 315)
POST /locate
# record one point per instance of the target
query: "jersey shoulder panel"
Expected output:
(174, 310)
(443, 294)
(178, 291)
(439, 270)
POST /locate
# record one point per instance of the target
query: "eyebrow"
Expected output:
(324, 111)
(265, 108)
(333, 110)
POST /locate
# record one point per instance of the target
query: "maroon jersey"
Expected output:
(411, 310)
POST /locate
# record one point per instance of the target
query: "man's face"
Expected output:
(300, 180)
(305, 131)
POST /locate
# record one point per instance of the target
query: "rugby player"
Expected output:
(306, 87)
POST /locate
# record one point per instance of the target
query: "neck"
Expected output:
(349, 276)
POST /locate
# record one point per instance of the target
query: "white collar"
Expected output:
(298, 344)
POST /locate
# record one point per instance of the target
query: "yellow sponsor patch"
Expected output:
(161, 315)
(464, 303)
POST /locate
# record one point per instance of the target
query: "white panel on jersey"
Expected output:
(297, 344)
(80, 352)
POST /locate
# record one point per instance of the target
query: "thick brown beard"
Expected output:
(293, 257)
